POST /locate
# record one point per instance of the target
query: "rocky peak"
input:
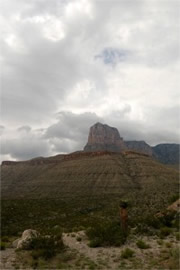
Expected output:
(139, 146)
(104, 138)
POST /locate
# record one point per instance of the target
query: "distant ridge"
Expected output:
(105, 138)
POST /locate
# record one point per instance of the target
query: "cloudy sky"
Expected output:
(67, 64)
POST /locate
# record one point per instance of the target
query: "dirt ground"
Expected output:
(157, 256)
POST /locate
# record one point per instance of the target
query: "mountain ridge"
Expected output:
(105, 138)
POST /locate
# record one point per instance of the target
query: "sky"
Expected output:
(67, 64)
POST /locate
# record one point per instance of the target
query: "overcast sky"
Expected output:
(67, 64)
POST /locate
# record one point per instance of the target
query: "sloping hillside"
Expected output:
(85, 174)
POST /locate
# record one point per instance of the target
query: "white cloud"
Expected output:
(50, 64)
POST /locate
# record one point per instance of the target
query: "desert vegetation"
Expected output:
(99, 219)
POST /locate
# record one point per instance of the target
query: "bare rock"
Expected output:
(15, 243)
(139, 146)
(104, 138)
(174, 206)
(25, 240)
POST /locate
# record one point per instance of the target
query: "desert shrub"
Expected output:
(153, 222)
(174, 261)
(45, 247)
(146, 224)
(154, 225)
(176, 221)
(142, 245)
(177, 234)
(164, 231)
(160, 242)
(106, 234)
(96, 242)
(5, 239)
(168, 218)
(79, 239)
(174, 198)
(174, 252)
(168, 244)
(127, 253)
(2, 245)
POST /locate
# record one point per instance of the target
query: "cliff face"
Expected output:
(139, 146)
(167, 153)
(104, 138)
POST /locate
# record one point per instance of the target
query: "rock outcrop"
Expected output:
(26, 239)
(139, 146)
(175, 206)
(104, 138)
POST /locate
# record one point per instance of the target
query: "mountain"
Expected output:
(108, 165)
(140, 146)
(88, 174)
(167, 153)
(104, 138)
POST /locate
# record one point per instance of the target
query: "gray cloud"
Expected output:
(58, 57)
(71, 125)
(24, 128)
(25, 147)
(70, 133)
(2, 128)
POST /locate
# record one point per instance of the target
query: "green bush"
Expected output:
(96, 242)
(5, 238)
(174, 198)
(164, 231)
(127, 253)
(168, 244)
(79, 239)
(106, 234)
(174, 262)
(153, 222)
(168, 218)
(45, 247)
(2, 245)
(174, 252)
(141, 244)
(160, 242)
(177, 234)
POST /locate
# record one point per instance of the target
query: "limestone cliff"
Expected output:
(104, 138)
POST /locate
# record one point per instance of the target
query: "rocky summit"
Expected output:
(104, 138)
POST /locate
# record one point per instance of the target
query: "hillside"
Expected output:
(81, 174)
(83, 191)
